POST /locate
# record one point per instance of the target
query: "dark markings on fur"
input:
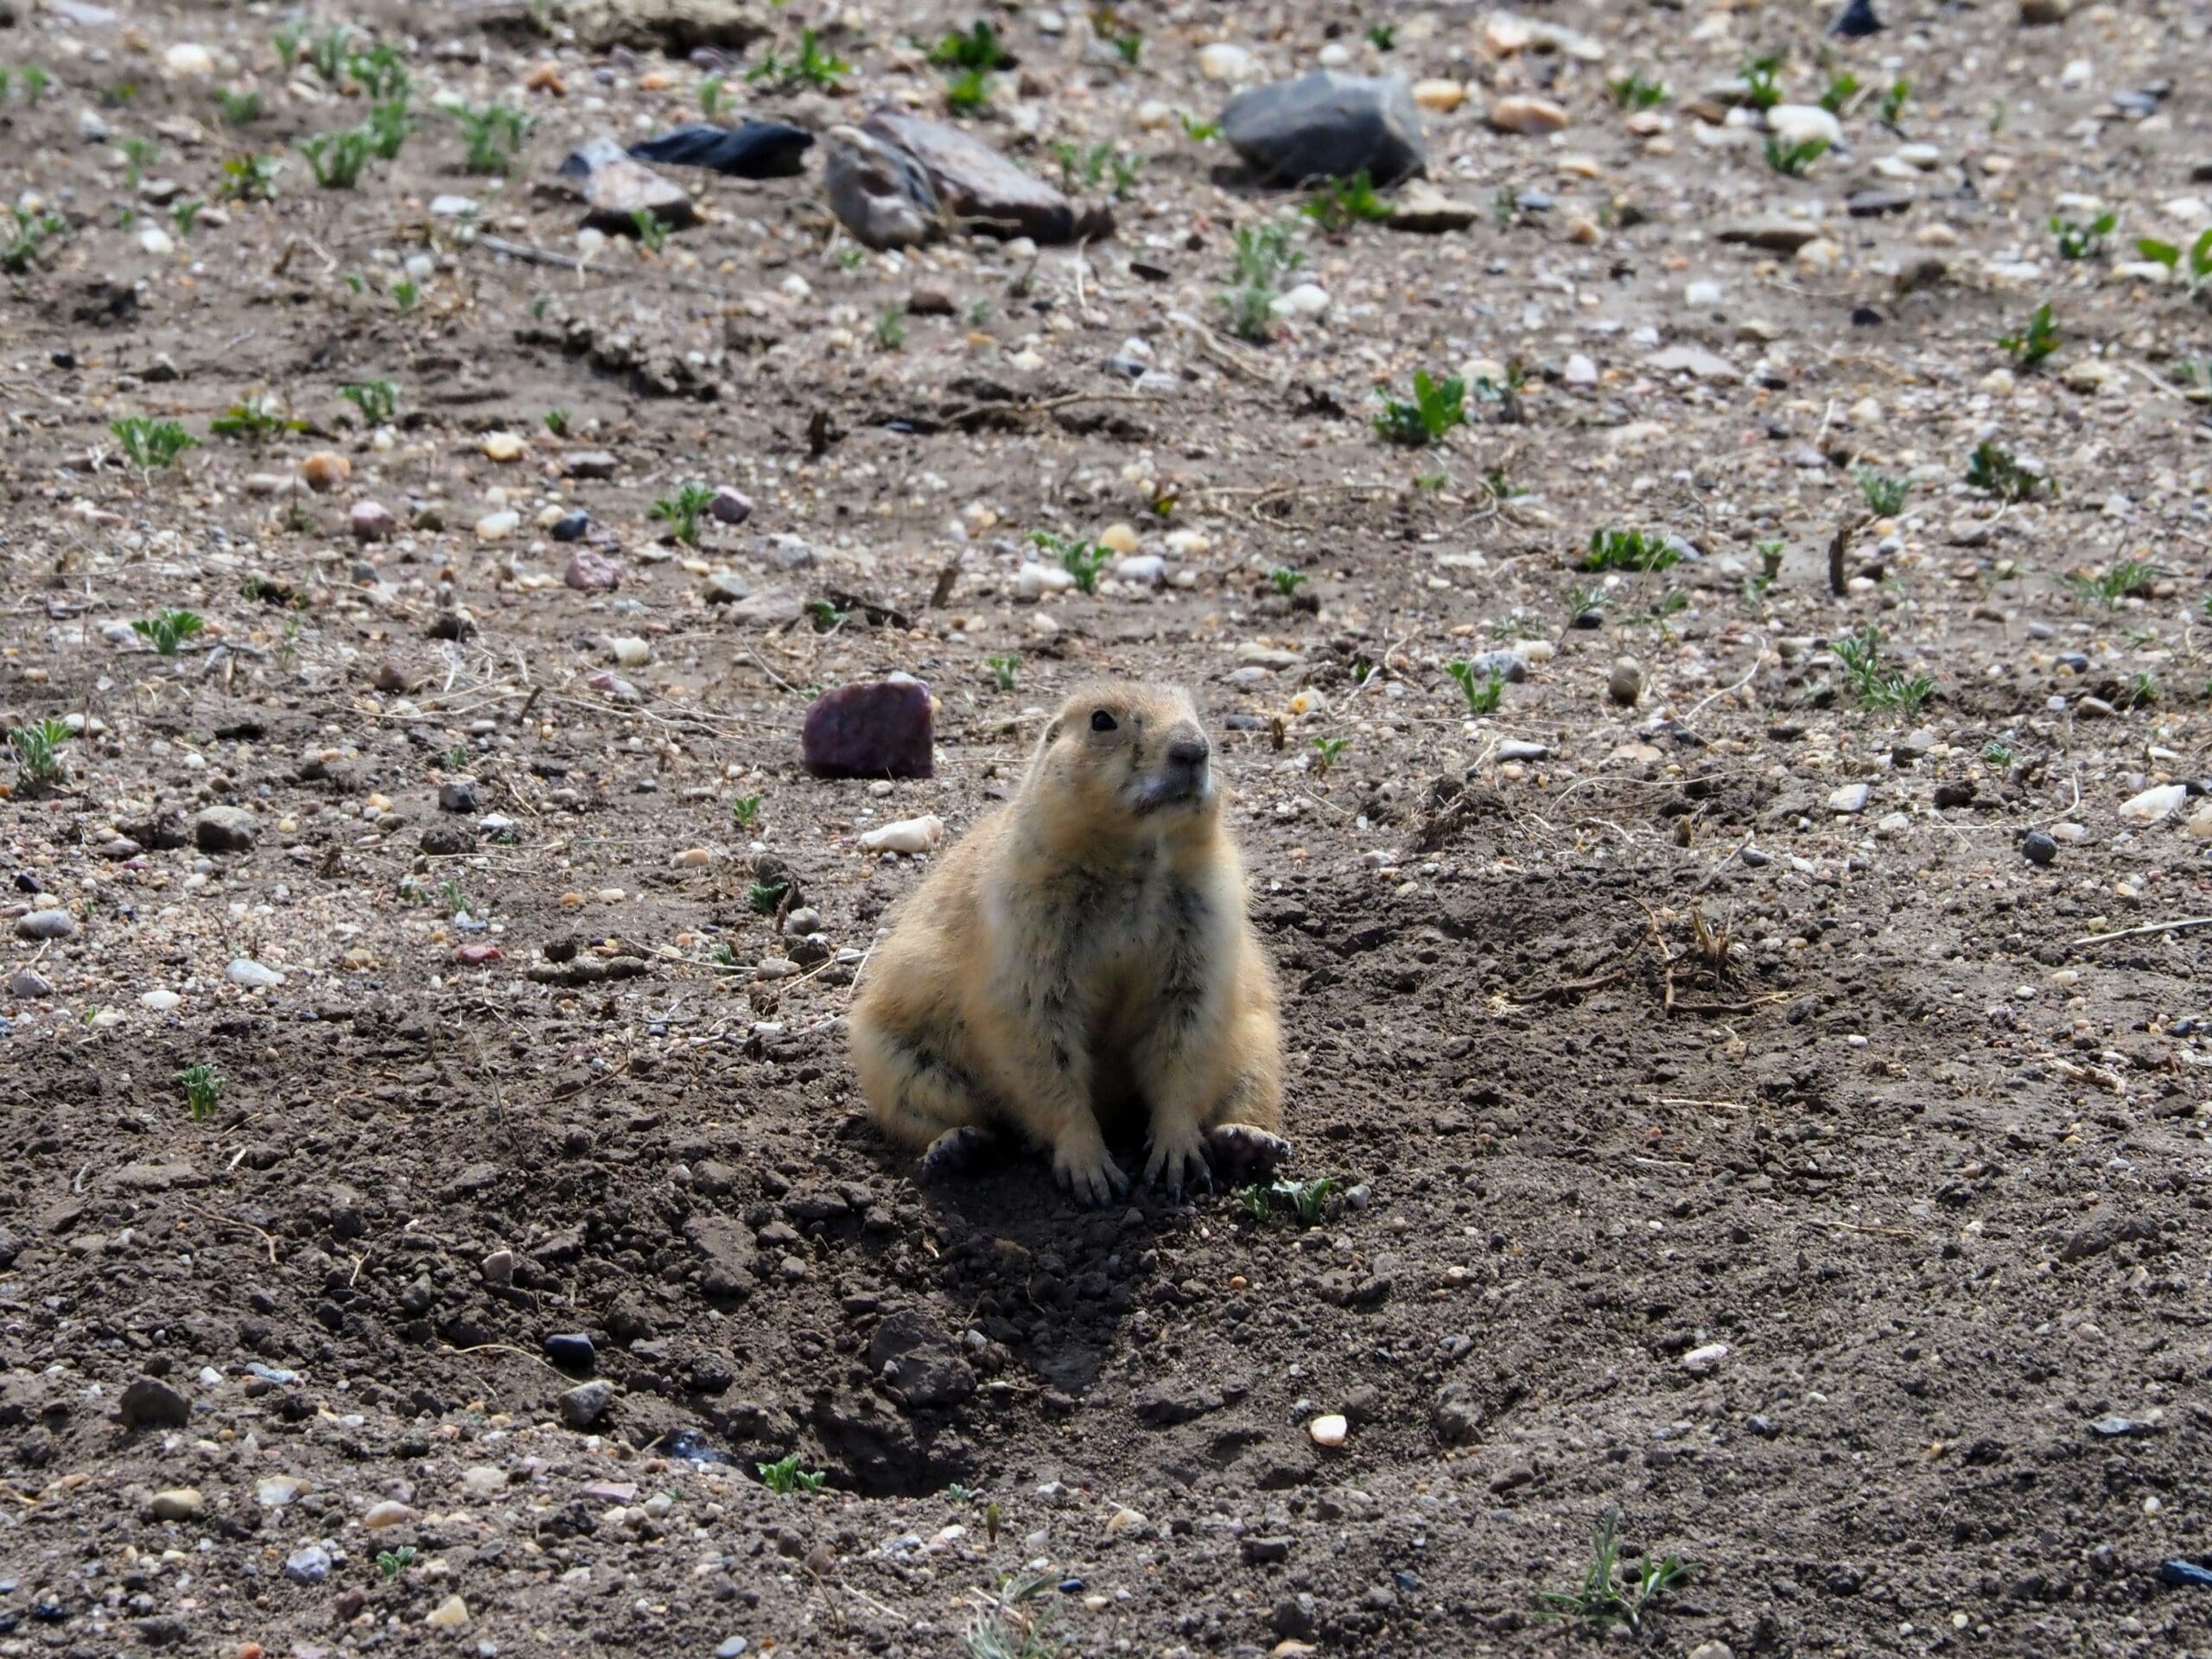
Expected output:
(1183, 983)
(1060, 1057)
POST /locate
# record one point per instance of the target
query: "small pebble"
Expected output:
(1329, 1430)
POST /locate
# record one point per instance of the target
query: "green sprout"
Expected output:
(37, 752)
(1884, 494)
(967, 90)
(1083, 560)
(138, 155)
(653, 230)
(766, 897)
(1308, 1200)
(1264, 256)
(23, 235)
(36, 81)
(254, 421)
(1326, 751)
(393, 1562)
(812, 67)
(1287, 581)
(745, 811)
(1877, 684)
(203, 1089)
(1997, 471)
(389, 126)
(493, 133)
(1893, 102)
(2035, 341)
(2117, 581)
(1003, 669)
(251, 177)
(1483, 698)
(1344, 202)
(326, 53)
(167, 629)
(336, 158)
(1762, 88)
(1606, 1596)
(1383, 37)
(1200, 132)
(783, 1477)
(1839, 92)
(556, 421)
(239, 108)
(891, 329)
(1630, 550)
(378, 400)
(2082, 241)
(185, 213)
(682, 510)
(151, 444)
(1437, 406)
(405, 294)
(1795, 160)
(380, 72)
(1010, 1628)
(2198, 272)
(1635, 93)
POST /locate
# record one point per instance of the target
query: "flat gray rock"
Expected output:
(1693, 359)
(881, 195)
(1327, 125)
(983, 190)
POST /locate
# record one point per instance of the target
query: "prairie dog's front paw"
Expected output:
(1082, 1166)
(1179, 1157)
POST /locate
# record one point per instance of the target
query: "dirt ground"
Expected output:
(1757, 1103)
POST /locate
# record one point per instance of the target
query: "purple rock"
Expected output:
(730, 507)
(593, 572)
(877, 730)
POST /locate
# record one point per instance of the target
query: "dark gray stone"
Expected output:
(1327, 125)
(225, 829)
(149, 1402)
(876, 729)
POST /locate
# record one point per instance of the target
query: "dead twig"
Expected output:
(2182, 926)
(232, 1221)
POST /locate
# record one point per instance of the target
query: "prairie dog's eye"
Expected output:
(1101, 721)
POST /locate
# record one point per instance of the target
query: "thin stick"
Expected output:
(2153, 927)
(229, 1221)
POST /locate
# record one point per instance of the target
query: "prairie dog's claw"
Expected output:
(1089, 1173)
(1242, 1153)
(954, 1152)
(1177, 1159)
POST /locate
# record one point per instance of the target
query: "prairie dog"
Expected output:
(1082, 951)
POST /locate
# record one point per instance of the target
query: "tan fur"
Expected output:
(1078, 951)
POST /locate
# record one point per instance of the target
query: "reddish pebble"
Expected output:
(478, 956)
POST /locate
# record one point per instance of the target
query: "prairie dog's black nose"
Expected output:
(1189, 751)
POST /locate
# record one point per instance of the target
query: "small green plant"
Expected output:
(1345, 202)
(1998, 472)
(493, 133)
(2082, 241)
(1083, 560)
(2142, 691)
(37, 752)
(336, 158)
(2116, 582)
(812, 67)
(1484, 696)
(1635, 93)
(1494, 480)
(1795, 160)
(387, 129)
(1257, 1203)
(766, 897)
(1326, 751)
(653, 230)
(2198, 271)
(378, 400)
(380, 72)
(967, 90)
(2037, 340)
(1839, 92)
(1580, 600)
(1437, 406)
(1762, 85)
(1200, 132)
(1287, 581)
(1264, 256)
(712, 92)
(825, 614)
(138, 155)
(1670, 603)
(891, 329)
(1011, 1627)
(167, 629)
(405, 295)
(203, 1089)
(254, 420)
(184, 214)
(239, 108)
(1083, 168)
(36, 81)
(1003, 669)
(23, 235)
(785, 1477)
(251, 177)
(1308, 1200)
(149, 445)
(1893, 102)
(745, 811)
(1770, 554)
(977, 48)
(393, 1562)
(1507, 397)
(556, 421)
(1383, 37)
(1609, 1596)
(327, 52)
(682, 510)
(1884, 493)
(1630, 550)
(1118, 32)
(1996, 756)
(1876, 684)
